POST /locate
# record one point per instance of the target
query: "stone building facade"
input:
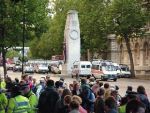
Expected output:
(140, 48)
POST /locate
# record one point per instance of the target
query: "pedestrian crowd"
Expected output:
(49, 96)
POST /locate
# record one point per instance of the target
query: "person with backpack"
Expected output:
(48, 98)
(142, 96)
(88, 97)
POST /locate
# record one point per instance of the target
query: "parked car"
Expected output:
(42, 68)
(55, 69)
(17, 67)
(9, 66)
(124, 71)
(28, 69)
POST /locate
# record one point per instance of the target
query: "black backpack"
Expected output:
(47, 101)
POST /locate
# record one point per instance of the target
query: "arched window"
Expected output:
(121, 53)
(136, 54)
(146, 53)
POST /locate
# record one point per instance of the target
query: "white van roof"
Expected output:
(82, 62)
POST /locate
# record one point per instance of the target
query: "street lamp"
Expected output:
(23, 36)
(23, 31)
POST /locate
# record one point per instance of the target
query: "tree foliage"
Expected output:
(13, 13)
(92, 26)
(126, 18)
(12, 53)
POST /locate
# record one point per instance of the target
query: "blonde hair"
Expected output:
(77, 98)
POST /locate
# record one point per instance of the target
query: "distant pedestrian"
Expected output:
(60, 68)
(47, 77)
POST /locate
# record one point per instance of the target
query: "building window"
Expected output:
(146, 52)
(137, 54)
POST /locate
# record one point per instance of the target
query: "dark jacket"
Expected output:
(88, 98)
(59, 105)
(112, 111)
(47, 100)
(143, 98)
(99, 105)
(64, 109)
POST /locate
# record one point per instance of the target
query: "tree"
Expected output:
(34, 14)
(12, 53)
(92, 26)
(126, 18)
(9, 27)
(51, 42)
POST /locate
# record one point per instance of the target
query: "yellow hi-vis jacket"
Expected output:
(3, 85)
(3, 102)
(33, 100)
(122, 109)
(18, 104)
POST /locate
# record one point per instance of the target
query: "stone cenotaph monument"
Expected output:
(72, 40)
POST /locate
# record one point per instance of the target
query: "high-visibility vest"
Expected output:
(3, 102)
(33, 102)
(2, 84)
(19, 104)
(122, 109)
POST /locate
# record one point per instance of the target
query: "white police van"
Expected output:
(104, 70)
(124, 71)
(81, 69)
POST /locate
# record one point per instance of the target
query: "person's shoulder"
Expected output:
(11, 100)
(142, 96)
(23, 97)
(48, 91)
(32, 95)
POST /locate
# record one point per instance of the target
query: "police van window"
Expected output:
(82, 66)
(100, 68)
(88, 66)
(95, 67)
(75, 66)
